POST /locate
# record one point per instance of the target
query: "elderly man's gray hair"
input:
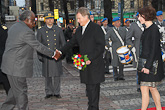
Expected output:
(25, 15)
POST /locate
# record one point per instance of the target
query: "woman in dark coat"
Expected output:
(151, 51)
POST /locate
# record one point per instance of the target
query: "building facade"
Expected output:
(4, 10)
(96, 6)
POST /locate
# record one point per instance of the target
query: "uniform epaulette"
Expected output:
(4, 27)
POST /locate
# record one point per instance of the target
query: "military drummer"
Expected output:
(52, 37)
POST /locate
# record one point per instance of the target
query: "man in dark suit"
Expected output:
(3, 77)
(17, 60)
(68, 35)
(90, 38)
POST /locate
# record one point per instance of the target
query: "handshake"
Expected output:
(57, 54)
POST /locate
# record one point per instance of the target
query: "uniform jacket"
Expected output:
(136, 32)
(151, 51)
(52, 38)
(157, 23)
(91, 43)
(106, 30)
(115, 42)
(18, 56)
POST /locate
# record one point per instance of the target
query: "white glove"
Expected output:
(106, 47)
(133, 50)
(161, 30)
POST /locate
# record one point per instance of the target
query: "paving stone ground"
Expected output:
(119, 95)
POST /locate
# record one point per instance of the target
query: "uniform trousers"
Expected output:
(4, 81)
(107, 61)
(17, 94)
(120, 74)
(52, 85)
(93, 94)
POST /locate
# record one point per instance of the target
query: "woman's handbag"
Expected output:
(142, 62)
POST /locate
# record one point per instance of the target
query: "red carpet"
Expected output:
(154, 108)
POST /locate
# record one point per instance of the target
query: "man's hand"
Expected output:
(88, 62)
(57, 55)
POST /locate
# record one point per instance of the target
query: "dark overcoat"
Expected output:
(150, 50)
(3, 37)
(91, 43)
(53, 38)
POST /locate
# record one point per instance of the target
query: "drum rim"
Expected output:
(124, 52)
(127, 62)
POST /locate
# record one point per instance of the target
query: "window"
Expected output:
(132, 4)
(72, 5)
(92, 4)
(42, 6)
(113, 4)
(102, 5)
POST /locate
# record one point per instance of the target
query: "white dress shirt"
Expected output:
(84, 27)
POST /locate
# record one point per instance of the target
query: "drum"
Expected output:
(124, 54)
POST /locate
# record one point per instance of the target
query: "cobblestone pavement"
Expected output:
(119, 95)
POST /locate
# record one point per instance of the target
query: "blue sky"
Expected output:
(20, 2)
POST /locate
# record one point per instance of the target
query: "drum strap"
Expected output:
(103, 30)
(140, 25)
(119, 37)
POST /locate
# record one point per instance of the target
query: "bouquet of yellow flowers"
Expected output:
(79, 61)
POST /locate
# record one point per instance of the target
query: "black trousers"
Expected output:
(120, 74)
(4, 81)
(93, 94)
(107, 61)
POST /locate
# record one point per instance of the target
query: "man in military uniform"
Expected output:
(128, 24)
(91, 16)
(116, 43)
(135, 32)
(3, 77)
(107, 54)
(52, 37)
(161, 25)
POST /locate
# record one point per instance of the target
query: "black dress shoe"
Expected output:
(58, 96)
(48, 96)
(138, 90)
(121, 79)
(115, 79)
(107, 73)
